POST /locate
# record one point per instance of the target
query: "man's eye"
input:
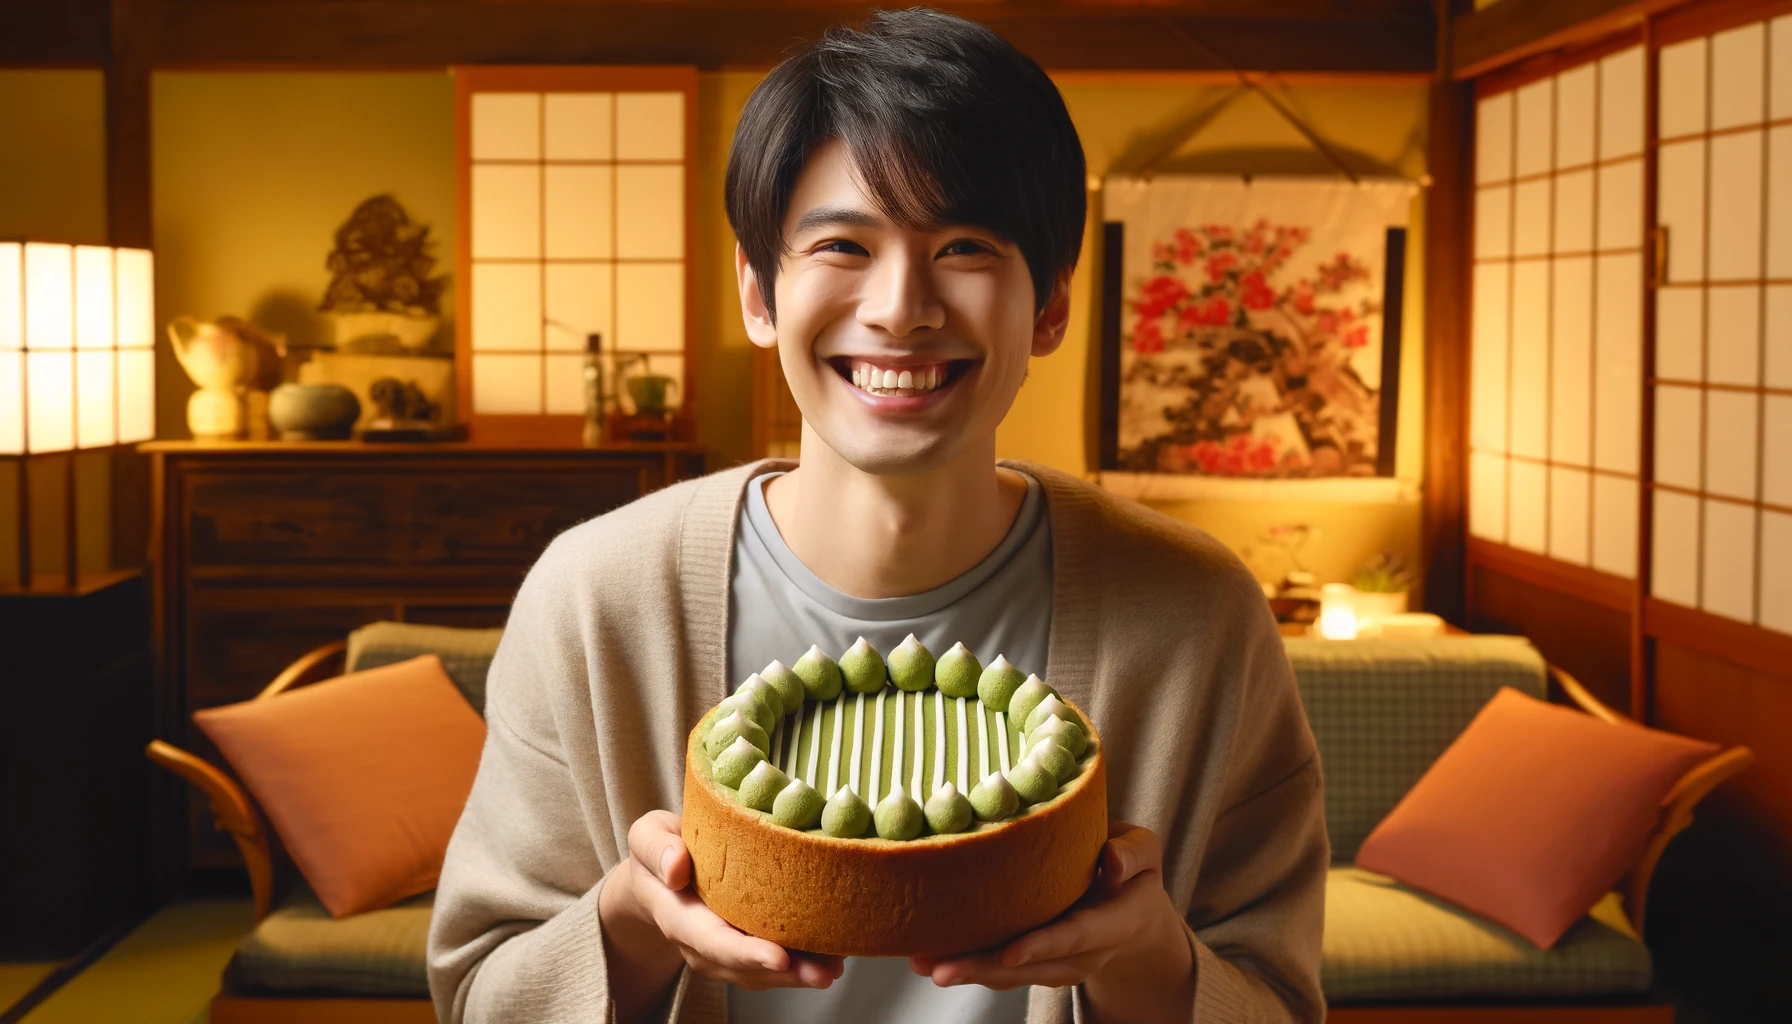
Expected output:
(965, 247)
(843, 246)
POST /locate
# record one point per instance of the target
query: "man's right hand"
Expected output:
(652, 919)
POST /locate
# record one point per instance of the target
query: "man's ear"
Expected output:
(1054, 319)
(760, 328)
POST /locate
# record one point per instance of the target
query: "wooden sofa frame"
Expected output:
(234, 812)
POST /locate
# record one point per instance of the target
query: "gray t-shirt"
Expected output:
(777, 608)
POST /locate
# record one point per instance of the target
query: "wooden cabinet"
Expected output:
(262, 552)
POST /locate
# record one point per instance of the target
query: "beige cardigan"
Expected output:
(616, 647)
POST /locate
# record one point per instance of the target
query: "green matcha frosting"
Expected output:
(798, 806)
(911, 665)
(994, 799)
(1051, 707)
(762, 786)
(820, 676)
(789, 687)
(845, 816)
(754, 707)
(898, 816)
(1064, 732)
(756, 684)
(1034, 782)
(948, 810)
(733, 764)
(732, 727)
(1053, 758)
(862, 667)
(998, 684)
(1027, 698)
(956, 673)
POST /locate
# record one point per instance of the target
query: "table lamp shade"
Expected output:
(77, 346)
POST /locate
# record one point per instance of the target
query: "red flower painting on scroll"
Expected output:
(1234, 365)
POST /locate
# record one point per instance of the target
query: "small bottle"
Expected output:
(593, 433)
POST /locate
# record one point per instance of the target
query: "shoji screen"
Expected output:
(1557, 334)
(1722, 489)
(576, 199)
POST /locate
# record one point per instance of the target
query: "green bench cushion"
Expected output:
(1383, 710)
(299, 948)
(466, 653)
(1384, 941)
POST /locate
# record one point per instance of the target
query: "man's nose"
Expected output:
(899, 295)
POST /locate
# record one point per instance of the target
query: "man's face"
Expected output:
(901, 346)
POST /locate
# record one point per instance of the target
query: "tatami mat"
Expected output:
(165, 972)
(18, 979)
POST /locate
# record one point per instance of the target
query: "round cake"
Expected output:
(905, 806)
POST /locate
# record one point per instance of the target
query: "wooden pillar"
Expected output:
(1446, 330)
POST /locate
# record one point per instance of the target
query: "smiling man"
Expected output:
(909, 206)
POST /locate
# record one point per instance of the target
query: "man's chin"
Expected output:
(907, 455)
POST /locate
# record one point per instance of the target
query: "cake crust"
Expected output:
(936, 896)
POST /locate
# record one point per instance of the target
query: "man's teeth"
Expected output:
(877, 378)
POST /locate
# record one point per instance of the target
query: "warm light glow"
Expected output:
(12, 403)
(93, 297)
(98, 301)
(1337, 612)
(49, 296)
(12, 297)
(96, 407)
(50, 386)
(136, 395)
(136, 299)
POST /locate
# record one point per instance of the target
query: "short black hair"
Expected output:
(946, 122)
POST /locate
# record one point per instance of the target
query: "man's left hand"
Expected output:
(1123, 934)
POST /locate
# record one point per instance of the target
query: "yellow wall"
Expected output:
(52, 188)
(255, 171)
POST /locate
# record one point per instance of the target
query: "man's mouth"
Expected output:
(904, 381)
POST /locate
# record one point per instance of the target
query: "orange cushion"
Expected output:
(1533, 814)
(363, 776)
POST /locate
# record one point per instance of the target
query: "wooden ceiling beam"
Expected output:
(1317, 36)
(53, 33)
(1512, 30)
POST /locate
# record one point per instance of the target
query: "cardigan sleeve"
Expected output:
(514, 934)
(1259, 908)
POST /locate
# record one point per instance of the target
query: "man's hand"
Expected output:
(652, 920)
(1123, 942)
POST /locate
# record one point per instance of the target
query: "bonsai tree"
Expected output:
(382, 263)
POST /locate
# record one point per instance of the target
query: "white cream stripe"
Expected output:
(858, 736)
(1002, 738)
(939, 742)
(964, 755)
(796, 741)
(777, 742)
(877, 749)
(920, 750)
(834, 751)
(982, 742)
(815, 744)
(896, 758)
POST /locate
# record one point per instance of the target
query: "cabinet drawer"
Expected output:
(286, 519)
(508, 517)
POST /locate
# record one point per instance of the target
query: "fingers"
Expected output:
(1130, 852)
(806, 971)
(1065, 952)
(655, 843)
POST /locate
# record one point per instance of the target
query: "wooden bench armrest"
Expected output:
(232, 811)
(1676, 810)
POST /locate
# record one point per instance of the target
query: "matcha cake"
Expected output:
(899, 806)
